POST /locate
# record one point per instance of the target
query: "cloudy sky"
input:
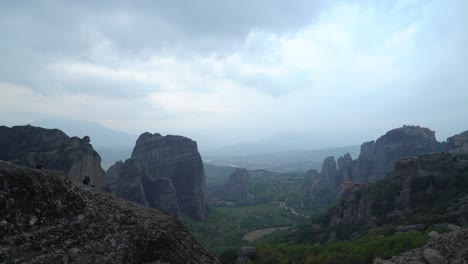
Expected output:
(238, 70)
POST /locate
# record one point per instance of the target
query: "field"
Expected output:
(226, 226)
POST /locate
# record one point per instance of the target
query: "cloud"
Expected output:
(237, 68)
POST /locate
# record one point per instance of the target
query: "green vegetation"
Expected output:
(217, 174)
(431, 197)
(383, 195)
(462, 156)
(226, 226)
(290, 188)
(363, 250)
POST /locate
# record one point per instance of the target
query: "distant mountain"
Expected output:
(101, 136)
(112, 145)
(280, 142)
(294, 160)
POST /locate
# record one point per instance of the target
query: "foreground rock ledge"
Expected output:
(45, 218)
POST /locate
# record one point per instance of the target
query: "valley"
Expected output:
(401, 192)
(234, 132)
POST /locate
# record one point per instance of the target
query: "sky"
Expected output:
(342, 72)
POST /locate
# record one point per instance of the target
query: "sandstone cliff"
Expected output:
(165, 172)
(424, 190)
(46, 218)
(29, 145)
(378, 158)
(236, 189)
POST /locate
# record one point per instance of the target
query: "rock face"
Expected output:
(377, 158)
(329, 173)
(416, 186)
(46, 218)
(236, 189)
(344, 169)
(29, 145)
(165, 172)
(245, 254)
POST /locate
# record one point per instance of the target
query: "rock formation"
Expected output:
(377, 158)
(46, 218)
(313, 183)
(417, 185)
(236, 189)
(344, 169)
(329, 172)
(165, 172)
(325, 180)
(245, 254)
(29, 146)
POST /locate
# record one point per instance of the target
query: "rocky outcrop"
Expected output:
(313, 183)
(165, 172)
(236, 189)
(441, 248)
(329, 173)
(28, 146)
(344, 169)
(124, 179)
(457, 143)
(46, 218)
(245, 254)
(417, 186)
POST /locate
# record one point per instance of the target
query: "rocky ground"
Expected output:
(444, 248)
(46, 218)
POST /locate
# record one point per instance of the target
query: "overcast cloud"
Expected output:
(238, 70)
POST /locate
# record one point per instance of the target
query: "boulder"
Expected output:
(433, 234)
(247, 251)
(244, 254)
(434, 257)
(453, 228)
